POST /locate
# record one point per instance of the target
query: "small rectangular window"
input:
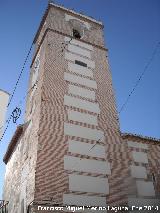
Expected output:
(80, 63)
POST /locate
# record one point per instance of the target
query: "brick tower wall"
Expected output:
(55, 171)
(71, 150)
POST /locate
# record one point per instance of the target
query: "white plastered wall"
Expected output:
(79, 91)
(80, 80)
(83, 132)
(84, 200)
(81, 104)
(4, 98)
(140, 157)
(73, 57)
(70, 17)
(79, 50)
(145, 188)
(82, 117)
(138, 172)
(86, 149)
(83, 183)
(81, 83)
(75, 68)
(79, 43)
(86, 165)
(137, 145)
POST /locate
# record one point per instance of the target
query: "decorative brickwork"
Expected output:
(45, 153)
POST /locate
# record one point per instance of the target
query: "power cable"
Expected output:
(15, 113)
(25, 61)
(97, 142)
(137, 82)
(65, 44)
(94, 145)
(140, 78)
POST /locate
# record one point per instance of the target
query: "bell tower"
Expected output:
(69, 149)
(77, 114)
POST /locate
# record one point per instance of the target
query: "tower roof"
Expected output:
(75, 13)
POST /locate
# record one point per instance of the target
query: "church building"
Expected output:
(70, 150)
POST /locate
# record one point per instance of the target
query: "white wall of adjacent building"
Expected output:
(4, 98)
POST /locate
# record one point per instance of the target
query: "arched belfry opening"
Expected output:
(76, 34)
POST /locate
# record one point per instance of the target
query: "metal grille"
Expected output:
(3, 206)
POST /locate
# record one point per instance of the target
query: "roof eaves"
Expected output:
(13, 143)
(78, 14)
(140, 136)
(5, 91)
(41, 24)
(65, 9)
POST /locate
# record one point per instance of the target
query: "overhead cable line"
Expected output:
(137, 82)
(15, 113)
(140, 78)
(25, 61)
(65, 44)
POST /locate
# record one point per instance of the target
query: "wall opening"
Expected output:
(81, 63)
(76, 34)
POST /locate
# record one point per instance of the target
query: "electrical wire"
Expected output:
(65, 44)
(137, 82)
(13, 115)
(94, 145)
(17, 111)
(15, 87)
(25, 61)
(140, 78)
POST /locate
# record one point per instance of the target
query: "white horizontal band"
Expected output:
(86, 149)
(86, 165)
(85, 93)
(79, 43)
(82, 117)
(83, 183)
(81, 104)
(83, 132)
(80, 70)
(79, 50)
(83, 200)
(79, 80)
(73, 57)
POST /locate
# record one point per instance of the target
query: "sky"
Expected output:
(132, 31)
